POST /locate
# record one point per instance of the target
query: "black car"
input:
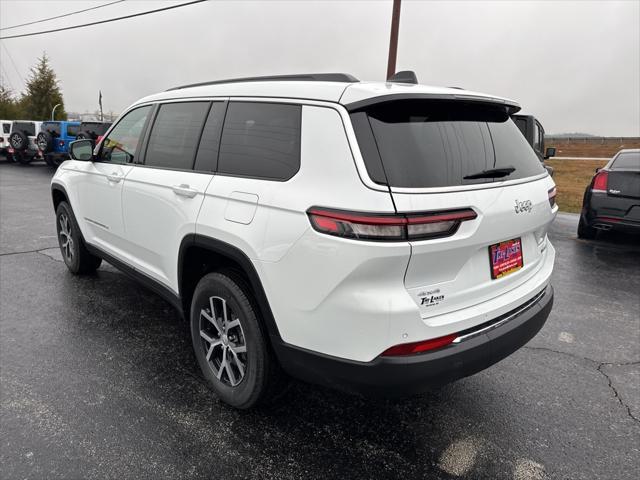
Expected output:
(612, 199)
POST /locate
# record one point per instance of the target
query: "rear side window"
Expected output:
(175, 133)
(422, 144)
(261, 140)
(51, 128)
(28, 128)
(72, 130)
(6, 127)
(627, 161)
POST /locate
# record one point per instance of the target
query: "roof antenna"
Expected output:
(406, 76)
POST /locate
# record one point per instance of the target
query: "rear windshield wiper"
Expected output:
(491, 173)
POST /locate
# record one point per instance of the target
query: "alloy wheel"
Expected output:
(223, 341)
(66, 240)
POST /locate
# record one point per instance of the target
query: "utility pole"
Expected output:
(393, 40)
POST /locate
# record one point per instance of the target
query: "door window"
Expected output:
(122, 143)
(175, 133)
(537, 137)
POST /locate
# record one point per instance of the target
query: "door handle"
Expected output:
(115, 177)
(184, 190)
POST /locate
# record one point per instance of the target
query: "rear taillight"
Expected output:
(61, 143)
(600, 181)
(417, 347)
(384, 227)
(552, 196)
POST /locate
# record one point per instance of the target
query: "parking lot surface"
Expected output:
(98, 380)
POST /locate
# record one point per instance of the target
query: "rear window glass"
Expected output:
(27, 127)
(627, 161)
(423, 144)
(6, 127)
(175, 133)
(51, 128)
(261, 140)
(72, 130)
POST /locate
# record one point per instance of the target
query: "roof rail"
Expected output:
(303, 77)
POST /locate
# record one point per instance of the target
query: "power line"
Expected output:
(104, 21)
(60, 16)
(12, 62)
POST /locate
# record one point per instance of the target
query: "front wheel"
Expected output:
(230, 343)
(74, 252)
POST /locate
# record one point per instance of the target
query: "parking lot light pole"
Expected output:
(53, 112)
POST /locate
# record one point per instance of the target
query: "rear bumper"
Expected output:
(402, 376)
(612, 213)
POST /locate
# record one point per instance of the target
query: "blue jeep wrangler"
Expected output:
(54, 139)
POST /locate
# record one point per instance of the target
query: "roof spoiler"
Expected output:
(510, 107)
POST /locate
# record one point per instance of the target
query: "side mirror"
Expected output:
(550, 152)
(81, 150)
(598, 169)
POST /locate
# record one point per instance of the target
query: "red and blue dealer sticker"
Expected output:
(505, 258)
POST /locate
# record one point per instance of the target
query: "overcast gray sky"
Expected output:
(575, 65)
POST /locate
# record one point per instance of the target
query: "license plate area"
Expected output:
(505, 258)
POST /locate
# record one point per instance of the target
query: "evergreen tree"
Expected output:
(9, 107)
(42, 93)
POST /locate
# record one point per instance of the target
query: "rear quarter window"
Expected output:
(426, 143)
(72, 130)
(261, 140)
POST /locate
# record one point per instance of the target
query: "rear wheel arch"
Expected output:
(200, 255)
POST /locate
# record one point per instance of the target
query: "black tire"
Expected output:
(24, 158)
(18, 141)
(585, 230)
(57, 160)
(74, 253)
(44, 141)
(260, 378)
(84, 135)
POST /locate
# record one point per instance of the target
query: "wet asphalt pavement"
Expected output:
(97, 380)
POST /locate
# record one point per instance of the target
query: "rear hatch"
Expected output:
(439, 156)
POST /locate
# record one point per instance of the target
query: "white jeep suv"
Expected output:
(374, 237)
